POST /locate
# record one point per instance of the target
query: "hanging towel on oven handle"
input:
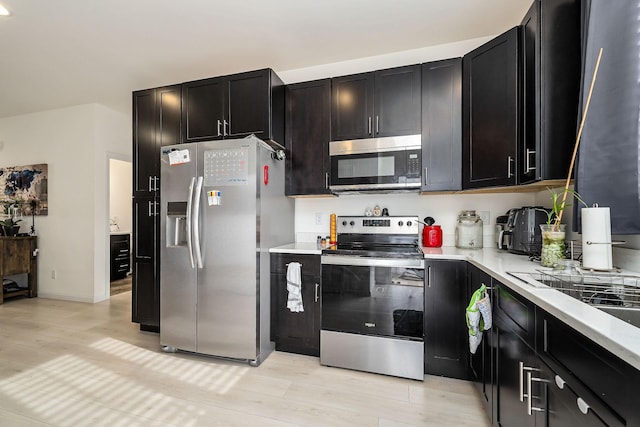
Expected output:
(478, 316)
(294, 287)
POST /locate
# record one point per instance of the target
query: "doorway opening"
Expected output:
(120, 226)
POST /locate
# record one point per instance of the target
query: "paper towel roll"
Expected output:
(596, 239)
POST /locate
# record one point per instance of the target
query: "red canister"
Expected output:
(432, 236)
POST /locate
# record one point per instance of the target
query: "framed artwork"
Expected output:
(25, 187)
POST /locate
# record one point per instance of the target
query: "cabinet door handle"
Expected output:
(521, 369)
(219, 127)
(225, 126)
(369, 127)
(582, 405)
(426, 176)
(509, 173)
(150, 208)
(377, 124)
(326, 180)
(429, 276)
(530, 407)
(528, 166)
(317, 296)
(150, 183)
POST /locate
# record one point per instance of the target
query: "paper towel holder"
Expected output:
(617, 242)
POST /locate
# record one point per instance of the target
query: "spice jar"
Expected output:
(469, 230)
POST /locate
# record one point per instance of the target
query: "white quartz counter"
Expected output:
(298, 248)
(617, 336)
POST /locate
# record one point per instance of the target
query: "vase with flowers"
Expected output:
(9, 224)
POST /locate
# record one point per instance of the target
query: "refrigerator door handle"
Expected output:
(196, 222)
(190, 222)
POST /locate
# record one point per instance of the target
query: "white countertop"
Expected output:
(615, 335)
(298, 248)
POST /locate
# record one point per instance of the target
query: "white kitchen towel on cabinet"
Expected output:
(294, 287)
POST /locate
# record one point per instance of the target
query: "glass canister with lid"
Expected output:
(469, 230)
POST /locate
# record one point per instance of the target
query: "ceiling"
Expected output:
(69, 52)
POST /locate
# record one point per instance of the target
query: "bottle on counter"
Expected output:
(332, 230)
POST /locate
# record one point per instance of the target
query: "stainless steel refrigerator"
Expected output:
(222, 208)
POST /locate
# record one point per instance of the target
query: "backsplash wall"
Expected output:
(443, 208)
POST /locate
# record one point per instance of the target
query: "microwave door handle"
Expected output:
(190, 222)
(196, 222)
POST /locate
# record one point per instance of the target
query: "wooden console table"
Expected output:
(18, 256)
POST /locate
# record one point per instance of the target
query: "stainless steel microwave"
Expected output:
(391, 163)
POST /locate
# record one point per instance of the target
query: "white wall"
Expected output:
(120, 175)
(73, 238)
(372, 63)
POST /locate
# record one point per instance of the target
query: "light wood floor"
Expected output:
(74, 364)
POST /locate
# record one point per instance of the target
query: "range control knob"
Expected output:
(352, 223)
(344, 223)
(409, 223)
(400, 223)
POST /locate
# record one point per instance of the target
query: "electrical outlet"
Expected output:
(485, 216)
(318, 218)
(53, 274)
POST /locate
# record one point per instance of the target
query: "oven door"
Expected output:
(373, 296)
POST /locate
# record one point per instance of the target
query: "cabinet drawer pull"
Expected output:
(560, 382)
(582, 405)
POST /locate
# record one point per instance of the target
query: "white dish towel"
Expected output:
(294, 287)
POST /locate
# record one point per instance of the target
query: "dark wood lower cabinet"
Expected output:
(145, 289)
(296, 332)
(482, 362)
(445, 341)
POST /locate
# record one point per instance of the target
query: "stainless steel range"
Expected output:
(373, 297)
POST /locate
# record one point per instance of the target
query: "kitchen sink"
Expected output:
(616, 294)
(629, 315)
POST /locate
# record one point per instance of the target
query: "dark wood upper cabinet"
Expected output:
(145, 164)
(204, 115)
(442, 125)
(307, 134)
(376, 104)
(156, 122)
(491, 109)
(234, 106)
(551, 88)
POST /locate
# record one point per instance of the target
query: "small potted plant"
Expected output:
(10, 226)
(553, 232)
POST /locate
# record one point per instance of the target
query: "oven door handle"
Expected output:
(371, 262)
